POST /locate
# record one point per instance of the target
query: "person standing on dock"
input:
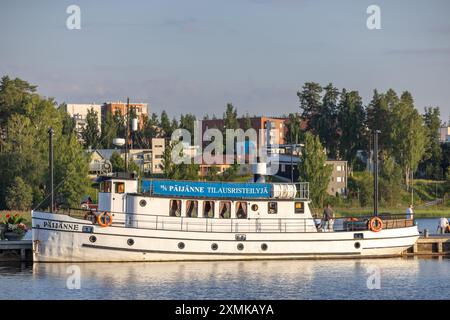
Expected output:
(410, 212)
(443, 226)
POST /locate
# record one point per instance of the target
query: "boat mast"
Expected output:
(126, 135)
(375, 172)
(50, 167)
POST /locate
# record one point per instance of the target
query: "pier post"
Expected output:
(23, 254)
(439, 246)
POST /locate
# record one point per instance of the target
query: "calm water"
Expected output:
(400, 278)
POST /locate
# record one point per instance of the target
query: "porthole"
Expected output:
(264, 247)
(214, 246)
(180, 245)
(254, 207)
(92, 239)
(357, 245)
(240, 246)
(130, 242)
(142, 203)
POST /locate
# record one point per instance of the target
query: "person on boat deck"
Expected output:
(410, 212)
(443, 226)
(328, 218)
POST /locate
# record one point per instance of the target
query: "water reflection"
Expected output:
(322, 279)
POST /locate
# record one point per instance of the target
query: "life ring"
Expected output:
(375, 224)
(104, 219)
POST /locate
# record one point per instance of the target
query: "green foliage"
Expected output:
(26, 119)
(313, 168)
(362, 186)
(294, 134)
(109, 131)
(230, 117)
(408, 135)
(91, 133)
(432, 158)
(117, 162)
(19, 195)
(351, 118)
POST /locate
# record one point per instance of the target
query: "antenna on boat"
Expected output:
(50, 167)
(375, 172)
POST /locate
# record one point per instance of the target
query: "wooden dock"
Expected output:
(433, 245)
(21, 250)
(436, 245)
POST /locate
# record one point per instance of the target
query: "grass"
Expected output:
(429, 212)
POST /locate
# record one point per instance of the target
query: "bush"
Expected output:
(19, 195)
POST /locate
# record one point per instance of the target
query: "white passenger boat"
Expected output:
(166, 220)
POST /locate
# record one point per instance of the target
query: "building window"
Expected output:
(338, 168)
(119, 187)
(192, 209)
(175, 208)
(208, 209)
(225, 209)
(241, 210)
(339, 179)
(272, 207)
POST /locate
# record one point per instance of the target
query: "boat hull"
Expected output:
(59, 238)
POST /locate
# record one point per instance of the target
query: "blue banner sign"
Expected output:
(207, 189)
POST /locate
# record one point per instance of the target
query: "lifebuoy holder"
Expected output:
(105, 219)
(375, 224)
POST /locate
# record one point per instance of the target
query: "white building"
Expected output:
(79, 111)
(444, 134)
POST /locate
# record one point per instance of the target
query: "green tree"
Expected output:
(313, 168)
(294, 129)
(408, 135)
(247, 122)
(351, 119)
(325, 122)
(19, 195)
(166, 126)
(68, 123)
(109, 131)
(390, 181)
(71, 166)
(152, 127)
(91, 133)
(379, 117)
(431, 162)
(310, 102)
(24, 146)
(230, 117)
(117, 162)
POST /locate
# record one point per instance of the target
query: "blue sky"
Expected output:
(196, 56)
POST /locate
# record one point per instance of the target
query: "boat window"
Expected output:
(119, 187)
(225, 209)
(241, 210)
(299, 207)
(273, 207)
(105, 186)
(208, 209)
(175, 208)
(192, 209)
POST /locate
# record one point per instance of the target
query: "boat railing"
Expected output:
(235, 225)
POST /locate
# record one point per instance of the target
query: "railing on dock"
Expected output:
(235, 225)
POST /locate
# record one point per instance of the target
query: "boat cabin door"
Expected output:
(112, 196)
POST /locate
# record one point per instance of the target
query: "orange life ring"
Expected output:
(104, 219)
(375, 224)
